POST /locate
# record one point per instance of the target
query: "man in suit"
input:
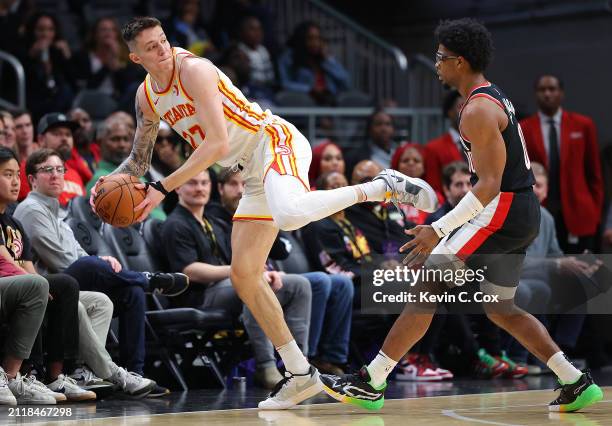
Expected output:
(566, 144)
(447, 148)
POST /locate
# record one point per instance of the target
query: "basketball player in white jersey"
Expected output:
(202, 105)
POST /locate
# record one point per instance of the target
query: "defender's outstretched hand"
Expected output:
(424, 241)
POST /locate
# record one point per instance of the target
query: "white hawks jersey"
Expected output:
(175, 106)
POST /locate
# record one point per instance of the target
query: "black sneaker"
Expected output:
(578, 395)
(158, 391)
(355, 389)
(168, 284)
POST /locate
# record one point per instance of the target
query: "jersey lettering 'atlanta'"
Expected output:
(245, 120)
(517, 170)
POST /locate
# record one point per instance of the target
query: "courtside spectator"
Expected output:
(24, 134)
(262, 79)
(57, 250)
(55, 133)
(379, 144)
(187, 30)
(455, 184)
(307, 66)
(60, 336)
(84, 137)
(45, 57)
(24, 300)
(409, 159)
(447, 148)
(103, 62)
(326, 157)
(9, 128)
(565, 142)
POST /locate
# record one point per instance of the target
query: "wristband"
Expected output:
(158, 186)
(467, 209)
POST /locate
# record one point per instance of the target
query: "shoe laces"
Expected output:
(284, 383)
(22, 385)
(4, 379)
(67, 380)
(281, 384)
(88, 375)
(586, 373)
(32, 381)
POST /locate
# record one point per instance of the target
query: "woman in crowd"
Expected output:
(45, 56)
(326, 157)
(306, 66)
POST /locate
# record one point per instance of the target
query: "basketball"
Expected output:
(116, 198)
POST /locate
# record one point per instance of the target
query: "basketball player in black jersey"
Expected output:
(490, 228)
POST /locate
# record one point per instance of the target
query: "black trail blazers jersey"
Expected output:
(517, 171)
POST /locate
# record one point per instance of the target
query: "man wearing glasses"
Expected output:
(55, 132)
(115, 138)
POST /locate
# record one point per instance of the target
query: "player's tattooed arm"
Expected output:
(147, 125)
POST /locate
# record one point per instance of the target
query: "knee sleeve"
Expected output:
(289, 217)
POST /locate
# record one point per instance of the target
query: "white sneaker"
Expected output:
(68, 386)
(293, 389)
(86, 379)
(32, 381)
(407, 190)
(131, 383)
(6, 396)
(27, 393)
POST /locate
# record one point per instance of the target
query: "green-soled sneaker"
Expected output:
(578, 395)
(355, 389)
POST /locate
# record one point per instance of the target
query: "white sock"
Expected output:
(375, 190)
(380, 368)
(294, 360)
(564, 369)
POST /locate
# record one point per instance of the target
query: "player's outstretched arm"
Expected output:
(200, 79)
(147, 125)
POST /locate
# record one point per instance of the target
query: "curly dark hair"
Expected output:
(468, 38)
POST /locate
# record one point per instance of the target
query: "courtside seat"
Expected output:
(129, 248)
(297, 262)
(187, 319)
(79, 208)
(151, 231)
(88, 237)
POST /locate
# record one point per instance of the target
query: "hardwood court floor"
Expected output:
(518, 407)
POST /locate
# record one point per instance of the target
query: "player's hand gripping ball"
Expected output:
(116, 197)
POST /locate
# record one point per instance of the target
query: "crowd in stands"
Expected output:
(57, 300)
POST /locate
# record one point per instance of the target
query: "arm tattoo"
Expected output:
(139, 160)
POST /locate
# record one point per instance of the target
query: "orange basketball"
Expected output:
(116, 198)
